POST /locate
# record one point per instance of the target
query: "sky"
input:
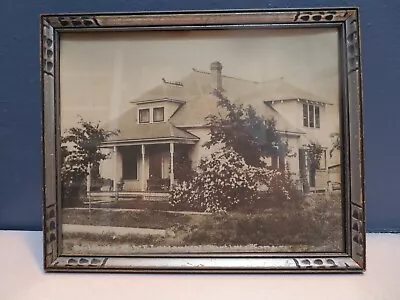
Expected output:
(100, 73)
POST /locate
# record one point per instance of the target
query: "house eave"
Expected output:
(200, 126)
(298, 100)
(150, 141)
(192, 126)
(334, 166)
(147, 101)
(290, 133)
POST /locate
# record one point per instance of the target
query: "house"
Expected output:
(170, 119)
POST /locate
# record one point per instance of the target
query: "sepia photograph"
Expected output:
(201, 141)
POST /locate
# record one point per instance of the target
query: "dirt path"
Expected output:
(110, 230)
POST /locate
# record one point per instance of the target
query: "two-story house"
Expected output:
(170, 118)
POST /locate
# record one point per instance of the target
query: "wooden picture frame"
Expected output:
(174, 183)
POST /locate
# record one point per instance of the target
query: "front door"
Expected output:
(155, 162)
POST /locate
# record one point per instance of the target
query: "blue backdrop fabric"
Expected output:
(20, 104)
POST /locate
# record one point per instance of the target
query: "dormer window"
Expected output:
(158, 114)
(311, 116)
(144, 115)
(151, 115)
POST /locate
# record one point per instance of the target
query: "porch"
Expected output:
(314, 175)
(139, 168)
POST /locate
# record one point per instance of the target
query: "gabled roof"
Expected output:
(169, 91)
(194, 94)
(197, 108)
(279, 90)
(132, 131)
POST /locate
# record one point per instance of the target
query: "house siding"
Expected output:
(334, 174)
(198, 151)
(136, 184)
(321, 179)
(291, 111)
(106, 168)
(320, 135)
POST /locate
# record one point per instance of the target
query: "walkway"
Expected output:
(72, 228)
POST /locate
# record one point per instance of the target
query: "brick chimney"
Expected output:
(216, 75)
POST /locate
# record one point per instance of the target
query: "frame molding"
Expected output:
(346, 19)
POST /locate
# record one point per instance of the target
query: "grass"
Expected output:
(107, 239)
(128, 218)
(317, 224)
(134, 204)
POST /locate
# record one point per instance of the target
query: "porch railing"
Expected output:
(158, 184)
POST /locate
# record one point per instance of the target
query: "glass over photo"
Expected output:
(205, 141)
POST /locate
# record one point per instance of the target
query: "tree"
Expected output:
(241, 129)
(235, 176)
(80, 153)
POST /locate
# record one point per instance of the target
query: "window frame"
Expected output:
(305, 115)
(311, 115)
(139, 119)
(163, 114)
(317, 120)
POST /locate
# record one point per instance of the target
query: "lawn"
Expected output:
(129, 218)
(133, 204)
(316, 227)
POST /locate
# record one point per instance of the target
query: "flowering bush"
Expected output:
(224, 182)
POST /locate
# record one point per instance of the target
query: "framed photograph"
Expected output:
(203, 141)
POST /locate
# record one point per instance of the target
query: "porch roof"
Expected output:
(156, 132)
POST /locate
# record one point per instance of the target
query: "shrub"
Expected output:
(224, 182)
(183, 167)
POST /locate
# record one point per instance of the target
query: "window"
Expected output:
(317, 117)
(158, 114)
(311, 116)
(305, 115)
(129, 163)
(144, 115)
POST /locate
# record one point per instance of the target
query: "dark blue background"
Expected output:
(20, 133)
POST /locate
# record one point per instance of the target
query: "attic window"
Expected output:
(158, 114)
(144, 115)
(311, 116)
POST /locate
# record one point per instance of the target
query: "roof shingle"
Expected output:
(198, 101)
(130, 130)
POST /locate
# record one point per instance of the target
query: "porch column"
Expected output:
(115, 182)
(171, 174)
(88, 179)
(142, 176)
